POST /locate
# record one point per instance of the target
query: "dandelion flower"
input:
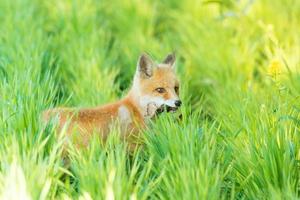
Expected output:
(274, 69)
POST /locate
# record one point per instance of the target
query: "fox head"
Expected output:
(156, 84)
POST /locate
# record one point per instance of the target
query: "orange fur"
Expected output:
(162, 77)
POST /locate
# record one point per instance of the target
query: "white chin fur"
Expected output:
(158, 101)
(170, 103)
(145, 100)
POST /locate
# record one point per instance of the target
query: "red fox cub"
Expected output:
(154, 88)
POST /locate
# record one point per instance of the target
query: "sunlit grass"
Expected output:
(238, 62)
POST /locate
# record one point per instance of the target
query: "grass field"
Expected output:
(238, 63)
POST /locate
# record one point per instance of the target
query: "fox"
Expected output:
(155, 89)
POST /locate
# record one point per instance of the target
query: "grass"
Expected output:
(238, 62)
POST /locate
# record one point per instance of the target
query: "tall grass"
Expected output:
(238, 62)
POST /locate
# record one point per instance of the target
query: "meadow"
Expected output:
(238, 62)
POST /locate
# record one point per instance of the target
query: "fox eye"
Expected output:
(160, 90)
(176, 88)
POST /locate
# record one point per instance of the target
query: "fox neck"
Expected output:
(136, 98)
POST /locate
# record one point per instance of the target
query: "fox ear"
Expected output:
(145, 66)
(170, 59)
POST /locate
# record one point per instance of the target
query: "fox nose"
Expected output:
(178, 103)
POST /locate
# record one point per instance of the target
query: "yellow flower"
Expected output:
(274, 69)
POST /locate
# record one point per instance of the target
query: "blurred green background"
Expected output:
(238, 62)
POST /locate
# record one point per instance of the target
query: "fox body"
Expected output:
(154, 87)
